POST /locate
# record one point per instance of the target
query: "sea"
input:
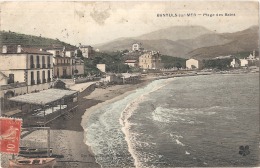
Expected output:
(195, 121)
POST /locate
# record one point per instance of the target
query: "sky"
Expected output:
(94, 22)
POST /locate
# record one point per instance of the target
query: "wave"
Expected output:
(104, 132)
(130, 137)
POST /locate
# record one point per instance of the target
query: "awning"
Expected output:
(43, 97)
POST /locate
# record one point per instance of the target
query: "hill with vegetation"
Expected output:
(13, 38)
(240, 43)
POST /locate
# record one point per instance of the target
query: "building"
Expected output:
(87, 51)
(62, 62)
(132, 63)
(150, 60)
(101, 67)
(234, 63)
(243, 62)
(135, 47)
(193, 64)
(251, 56)
(24, 70)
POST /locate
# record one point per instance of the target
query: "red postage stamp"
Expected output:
(10, 131)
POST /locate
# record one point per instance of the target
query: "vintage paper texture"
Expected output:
(185, 29)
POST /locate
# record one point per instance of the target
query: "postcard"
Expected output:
(129, 84)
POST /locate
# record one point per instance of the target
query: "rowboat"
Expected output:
(32, 163)
(34, 152)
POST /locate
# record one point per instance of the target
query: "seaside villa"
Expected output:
(193, 64)
(23, 70)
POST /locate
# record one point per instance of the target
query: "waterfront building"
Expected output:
(150, 60)
(193, 64)
(24, 70)
(62, 61)
(65, 62)
(243, 62)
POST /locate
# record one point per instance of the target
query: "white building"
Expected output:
(135, 47)
(243, 62)
(24, 70)
(193, 64)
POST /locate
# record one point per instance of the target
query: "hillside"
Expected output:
(242, 41)
(12, 38)
(163, 40)
(176, 33)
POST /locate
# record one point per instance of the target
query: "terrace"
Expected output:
(38, 109)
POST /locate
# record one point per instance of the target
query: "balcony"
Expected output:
(49, 65)
(38, 65)
(32, 82)
(38, 81)
(43, 65)
(49, 79)
(44, 81)
(32, 66)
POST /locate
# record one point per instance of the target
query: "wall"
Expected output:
(40, 76)
(26, 89)
(79, 67)
(12, 61)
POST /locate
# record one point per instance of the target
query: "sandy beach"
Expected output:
(67, 135)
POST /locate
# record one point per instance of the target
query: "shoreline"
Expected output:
(69, 131)
(88, 102)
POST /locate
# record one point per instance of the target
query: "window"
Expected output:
(38, 61)
(58, 72)
(38, 77)
(49, 61)
(57, 52)
(32, 78)
(11, 78)
(49, 76)
(64, 72)
(31, 61)
(43, 77)
(43, 61)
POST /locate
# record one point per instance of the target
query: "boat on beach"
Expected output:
(34, 152)
(32, 163)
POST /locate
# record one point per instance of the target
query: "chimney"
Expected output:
(4, 49)
(19, 49)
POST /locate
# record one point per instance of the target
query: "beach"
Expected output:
(67, 135)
